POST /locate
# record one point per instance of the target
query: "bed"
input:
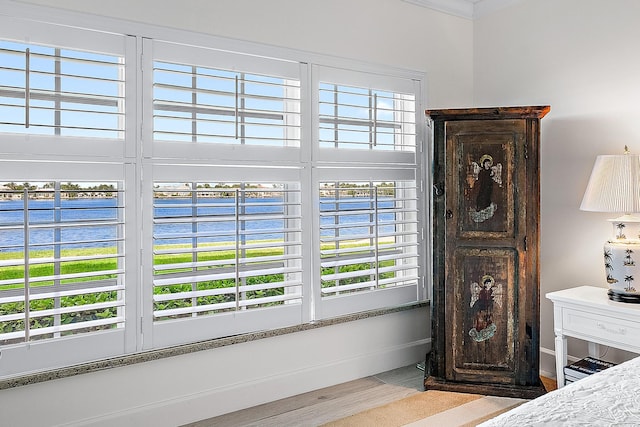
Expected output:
(608, 398)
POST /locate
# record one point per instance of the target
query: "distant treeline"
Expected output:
(13, 190)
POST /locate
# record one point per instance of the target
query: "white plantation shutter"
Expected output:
(227, 240)
(36, 101)
(198, 104)
(221, 247)
(46, 233)
(57, 91)
(369, 240)
(370, 116)
(368, 236)
(65, 92)
(211, 104)
(368, 161)
(65, 134)
(360, 118)
(64, 268)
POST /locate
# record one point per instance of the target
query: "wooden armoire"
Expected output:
(486, 204)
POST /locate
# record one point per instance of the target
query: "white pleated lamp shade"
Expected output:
(614, 185)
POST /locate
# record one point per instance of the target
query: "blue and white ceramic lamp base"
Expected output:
(622, 259)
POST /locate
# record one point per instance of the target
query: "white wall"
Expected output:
(581, 57)
(182, 389)
(389, 32)
(174, 391)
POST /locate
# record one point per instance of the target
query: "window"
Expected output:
(67, 196)
(155, 193)
(62, 244)
(204, 105)
(54, 91)
(214, 105)
(368, 236)
(227, 239)
(360, 118)
(67, 276)
(368, 191)
(225, 247)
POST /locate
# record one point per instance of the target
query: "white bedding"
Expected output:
(608, 398)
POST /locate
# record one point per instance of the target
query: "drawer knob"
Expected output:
(620, 331)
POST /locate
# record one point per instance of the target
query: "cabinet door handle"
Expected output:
(621, 331)
(449, 214)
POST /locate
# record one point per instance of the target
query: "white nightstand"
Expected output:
(587, 313)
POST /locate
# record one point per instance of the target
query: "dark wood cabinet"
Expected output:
(486, 203)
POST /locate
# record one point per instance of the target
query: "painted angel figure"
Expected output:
(483, 297)
(485, 173)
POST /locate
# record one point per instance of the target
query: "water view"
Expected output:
(88, 214)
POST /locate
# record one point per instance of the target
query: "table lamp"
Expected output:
(614, 186)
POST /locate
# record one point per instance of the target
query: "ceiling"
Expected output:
(470, 9)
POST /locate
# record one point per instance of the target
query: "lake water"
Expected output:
(79, 210)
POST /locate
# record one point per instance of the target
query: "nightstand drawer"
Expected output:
(605, 328)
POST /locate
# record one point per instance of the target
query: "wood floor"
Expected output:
(332, 403)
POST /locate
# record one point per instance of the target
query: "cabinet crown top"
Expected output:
(485, 113)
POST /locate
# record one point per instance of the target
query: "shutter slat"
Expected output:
(163, 267)
(74, 309)
(76, 326)
(223, 275)
(224, 306)
(223, 291)
(50, 260)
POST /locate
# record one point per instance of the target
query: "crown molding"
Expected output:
(468, 9)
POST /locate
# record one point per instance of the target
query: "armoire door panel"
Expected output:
(483, 172)
(484, 326)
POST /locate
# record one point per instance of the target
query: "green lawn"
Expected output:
(110, 263)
